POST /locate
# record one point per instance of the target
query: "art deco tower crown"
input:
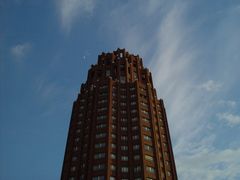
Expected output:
(118, 127)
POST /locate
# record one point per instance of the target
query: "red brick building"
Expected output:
(118, 127)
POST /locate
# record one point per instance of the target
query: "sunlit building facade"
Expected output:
(118, 128)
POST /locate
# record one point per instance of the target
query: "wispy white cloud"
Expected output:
(20, 50)
(210, 165)
(46, 89)
(231, 119)
(71, 10)
(211, 86)
(227, 103)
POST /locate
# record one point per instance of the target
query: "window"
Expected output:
(73, 168)
(99, 126)
(82, 100)
(144, 104)
(98, 167)
(166, 154)
(144, 112)
(137, 169)
(112, 178)
(124, 119)
(78, 131)
(147, 138)
(135, 75)
(77, 139)
(124, 138)
(123, 112)
(103, 86)
(135, 137)
(79, 122)
(133, 103)
(122, 79)
(123, 89)
(100, 135)
(101, 117)
(135, 128)
(124, 128)
(123, 104)
(102, 101)
(99, 156)
(135, 147)
(124, 148)
(124, 158)
(147, 129)
(133, 111)
(150, 169)
(114, 136)
(124, 169)
(113, 145)
(98, 178)
(146, 120)
(167, 163)
(108, 72)
(113, 167)
(148, 148)
(113, 156)
(136, 157)
(102, 109)
(134, 119)
(133, 96)
(103, 94)
(75, 148)
(74, 158)
(149, 158)
(169, 173)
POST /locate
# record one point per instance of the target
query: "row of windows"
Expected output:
(101, 135)
(136, 169)
(125, 169)
(100, 145)
(98, 167)
(102, 109)
(101, 117)
(100, 126)
(99, 155)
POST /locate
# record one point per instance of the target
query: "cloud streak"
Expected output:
(231, 119)
(211, 86)
(19, 51)
(71, 10)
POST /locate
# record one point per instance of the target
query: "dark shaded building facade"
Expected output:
(118, 128)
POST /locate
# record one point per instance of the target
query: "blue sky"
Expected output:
(191, 47)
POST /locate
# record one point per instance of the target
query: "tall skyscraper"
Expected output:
(118, 127)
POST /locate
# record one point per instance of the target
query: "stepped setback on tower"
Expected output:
(118, 128)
